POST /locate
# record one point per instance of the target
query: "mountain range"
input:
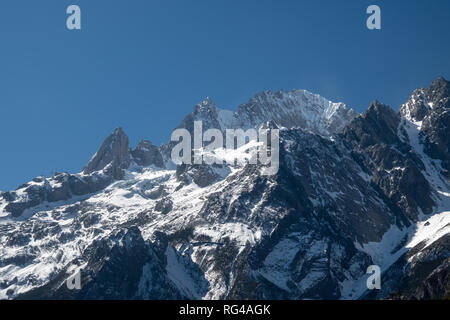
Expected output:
(352, 190)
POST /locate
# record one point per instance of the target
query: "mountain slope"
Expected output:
(352, 191)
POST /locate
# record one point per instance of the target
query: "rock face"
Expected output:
(113, 154)
(201, 175)
(393, 164)
(147, 154)
(351, 191)
(431, 107)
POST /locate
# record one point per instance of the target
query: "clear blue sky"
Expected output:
(144, 64)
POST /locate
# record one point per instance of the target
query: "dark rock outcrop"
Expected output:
(147, 154)
(394, 166)
(203, 175)
(113, 153)
(431, 106)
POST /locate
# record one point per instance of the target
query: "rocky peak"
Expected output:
(206, 112)
(439, 92)
(382, 112)
(417, 107)
(113, 153)
(296, 108)
(147, 154)
(395, 168)
(205, 106)
(376, 125)
(429, 108)
(423, 102)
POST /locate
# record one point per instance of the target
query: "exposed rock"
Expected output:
(122, 266)
(338, 203)
(156, 193)
(376, 125)
(393, 165)
(146, 154)
(114, 151)
(164, 206)
(431, 107)
(203, 175)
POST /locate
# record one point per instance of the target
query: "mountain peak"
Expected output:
(289, 109)
(205, 105)
(440, 81)
(423, 102)
(296, 108)
(114, 151)
(438, 93)
(118, 132)
(378, 106)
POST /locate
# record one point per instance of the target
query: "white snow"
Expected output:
(431, 230)
(177, 273)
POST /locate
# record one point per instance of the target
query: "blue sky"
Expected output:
(144, 64)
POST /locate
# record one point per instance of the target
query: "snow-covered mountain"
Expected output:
(352, 191)
(290, 109)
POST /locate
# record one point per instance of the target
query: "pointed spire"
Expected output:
(114, 151)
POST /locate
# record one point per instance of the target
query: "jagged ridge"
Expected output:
(373, 194)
